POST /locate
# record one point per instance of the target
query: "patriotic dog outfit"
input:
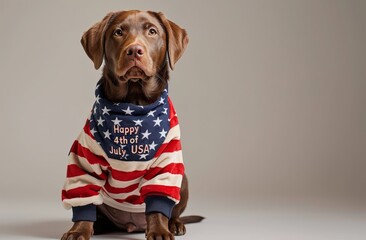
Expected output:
(128, 157)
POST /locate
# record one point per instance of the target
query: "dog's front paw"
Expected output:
(176, 227)
(161, 235)
(75, 236)
(157, 227)
(79, 231)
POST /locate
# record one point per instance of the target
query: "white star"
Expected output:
(116, 121)
(145, 134)
(143, 156)
(107, 134)
(97, 99)
(151, 113)
(100, 121)
(123, 146)
(105, 110)
(141, 106)
(97, 86)
(138, 122)
(93, 131)
(157, 122)
(128, 111)
(165, 111)
(153, 145)
(95, 109)
(163, 133)
(161, 100)
(165, 90)
(116, 104)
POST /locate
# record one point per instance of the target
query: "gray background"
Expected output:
(270, 95)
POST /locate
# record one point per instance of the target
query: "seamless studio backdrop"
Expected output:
(271, 99)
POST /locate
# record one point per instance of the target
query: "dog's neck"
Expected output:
(139, 93)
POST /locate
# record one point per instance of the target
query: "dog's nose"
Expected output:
(135, 51)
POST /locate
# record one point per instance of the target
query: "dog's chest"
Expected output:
(130, 132)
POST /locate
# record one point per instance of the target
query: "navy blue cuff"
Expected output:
(159, 204)
(84, 213)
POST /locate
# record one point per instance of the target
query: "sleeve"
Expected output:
(86, 175)
(160, 188)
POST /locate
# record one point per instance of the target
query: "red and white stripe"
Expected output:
(94, 178)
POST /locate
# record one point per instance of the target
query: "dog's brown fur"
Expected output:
(136, 47)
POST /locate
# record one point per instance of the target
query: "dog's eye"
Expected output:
(118, 32)
(153, 31)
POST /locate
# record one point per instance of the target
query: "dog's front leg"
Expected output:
(157, 227)
(82, 230)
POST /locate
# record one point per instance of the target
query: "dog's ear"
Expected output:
(93, 40)
(177, 39)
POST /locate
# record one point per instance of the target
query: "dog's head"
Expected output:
(135, 46)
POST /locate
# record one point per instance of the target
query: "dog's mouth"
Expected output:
(134, 74)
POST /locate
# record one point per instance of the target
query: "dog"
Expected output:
(125, 169)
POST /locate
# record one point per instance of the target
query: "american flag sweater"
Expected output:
(128, 157)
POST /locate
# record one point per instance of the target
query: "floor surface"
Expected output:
(48, 220)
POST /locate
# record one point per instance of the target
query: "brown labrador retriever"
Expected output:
(138, 48)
